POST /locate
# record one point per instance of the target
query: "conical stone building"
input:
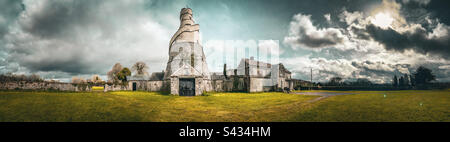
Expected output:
(187, 71)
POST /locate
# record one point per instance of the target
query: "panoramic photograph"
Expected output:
(224, 61)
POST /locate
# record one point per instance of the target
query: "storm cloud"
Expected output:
(9, 10)
(302, 32)
(85, 37)
(418, 40)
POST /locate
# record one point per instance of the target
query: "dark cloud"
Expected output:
(310, 40)
(360, 33)
(304, 34)
(84, 37)
(60, 19)
(9, 10)
(417, 39)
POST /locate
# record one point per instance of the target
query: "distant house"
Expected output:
(154, 82)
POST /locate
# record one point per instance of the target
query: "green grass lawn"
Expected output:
(155, 106)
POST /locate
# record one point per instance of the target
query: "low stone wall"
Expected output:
(229, 85)
(260, 84)
(23, 85)
(114, 87)
(146, 85)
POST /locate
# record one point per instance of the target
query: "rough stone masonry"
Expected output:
(187, 71)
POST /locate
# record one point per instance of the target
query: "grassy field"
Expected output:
(155, 106)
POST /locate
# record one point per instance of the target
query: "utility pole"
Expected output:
(311, 81)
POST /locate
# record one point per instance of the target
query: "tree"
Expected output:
(140, 68)
(78, 80)
(96, 79)
(406, 80)
(401, 81)
(335, 80)
(35, 78)
(112, 74)
(423, 75)
(122, 75)
(363, 82)
(395, 81)
(412, 80)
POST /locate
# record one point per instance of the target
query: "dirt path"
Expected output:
(322, 95)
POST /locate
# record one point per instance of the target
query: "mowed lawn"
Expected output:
(241, 107)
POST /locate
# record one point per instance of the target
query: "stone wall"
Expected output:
(23, 85)
(174, 85)
(143, 85)
(235, 84)
(223, 85)
(258, 84)
(114, 87)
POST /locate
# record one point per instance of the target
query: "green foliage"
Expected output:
(423, 75)
(122, 75)
(335, 81)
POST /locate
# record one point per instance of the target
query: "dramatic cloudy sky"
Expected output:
(348, 38)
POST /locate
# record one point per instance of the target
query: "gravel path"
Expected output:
(322, 95)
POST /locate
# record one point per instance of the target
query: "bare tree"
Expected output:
(96, 79)
(113, 72)
(140, 68)
(35, 78)
(13, 77)
(78, 80)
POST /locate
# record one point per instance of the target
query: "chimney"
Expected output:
(225, 71)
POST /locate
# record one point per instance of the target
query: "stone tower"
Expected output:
(187, 71)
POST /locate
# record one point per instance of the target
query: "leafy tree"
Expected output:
(140, 68)
(363, 82)
(401, 81)
(412, 80)
(335, 80)
(423, 75)
(122, 75)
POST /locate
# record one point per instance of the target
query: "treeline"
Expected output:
(337, 81)
(421, 79)
(94, 80)
(9, 77)
(119, 74)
